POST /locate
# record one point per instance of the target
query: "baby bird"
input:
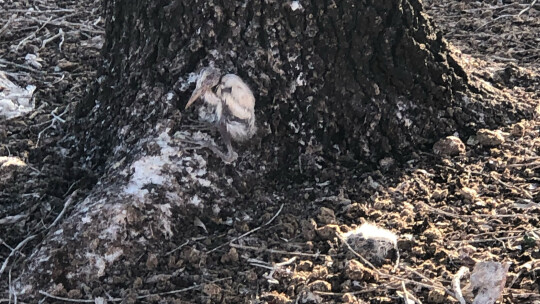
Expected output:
(233, 106)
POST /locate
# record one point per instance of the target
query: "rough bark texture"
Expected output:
(338, 84)
(370, 76)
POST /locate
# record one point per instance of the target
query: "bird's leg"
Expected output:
(230, 156)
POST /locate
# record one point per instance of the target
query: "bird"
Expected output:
(230, 104)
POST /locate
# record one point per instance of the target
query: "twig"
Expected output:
(48, 295)
(13, 219)
(5, 27)
(472, 216)
(500, 239)
(21, 66)
(66, 205)
(421, 275)
(183, 289)
(5, 244)
(395, 277)
(339, 294)
(526, 193)
(536, 163)
(275, 251)
(11, 289)
(249, 232)
(516, 278)
(138, 298)
(509, 15)
(472, 10)
(527, 8)
(60, 34)
(25, 11)
(407, 296)
(53, 121)
(81, 26)
(457, 286)
(177, 248)
(273, 268)
(405, 292)
(21, 245)
(33, 35)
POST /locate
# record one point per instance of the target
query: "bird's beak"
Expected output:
(196, 94)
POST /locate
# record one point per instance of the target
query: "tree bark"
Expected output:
(340, 83)
(372, 77)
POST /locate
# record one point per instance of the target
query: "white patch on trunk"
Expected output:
(295, 5)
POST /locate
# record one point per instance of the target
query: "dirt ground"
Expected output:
(447, 212)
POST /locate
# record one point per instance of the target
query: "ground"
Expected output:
(447, 212)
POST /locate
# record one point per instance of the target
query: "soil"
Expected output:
(481, 204)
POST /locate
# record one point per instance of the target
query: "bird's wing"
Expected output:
(235, 106)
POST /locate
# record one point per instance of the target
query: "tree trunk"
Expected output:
(338, 84)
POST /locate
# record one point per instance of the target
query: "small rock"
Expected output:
(230, 257)
(438, 194)
(355, 271)
(433, 234)
(489, 138)
(350, 298)
(251, 276)
(386, 163)
(519, 129)
(275, 297)
(129, 298)
(152, 261)
(138, 283)
(211, 289)
(328, 232)
(319, 272)
(326, 216)
(437, 296)
(320, 285)
(449, 146)
(74, 294)
(66, 65)
(58, 290)
(309, 297)
(171, 261)
(468, 194)
(192, 255)
(305, 265)
(308, 229)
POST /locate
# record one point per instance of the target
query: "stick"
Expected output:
(138, 298)
(182, 290)
(5, 27)
(456, 284)
(60, 34)
(527, 8)
(21, 245)
(506, 16)
(404, 292)
(390, 276)
(249, 232)
(48, 295)
(177, 248)
(66, 205)
(312, 255)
